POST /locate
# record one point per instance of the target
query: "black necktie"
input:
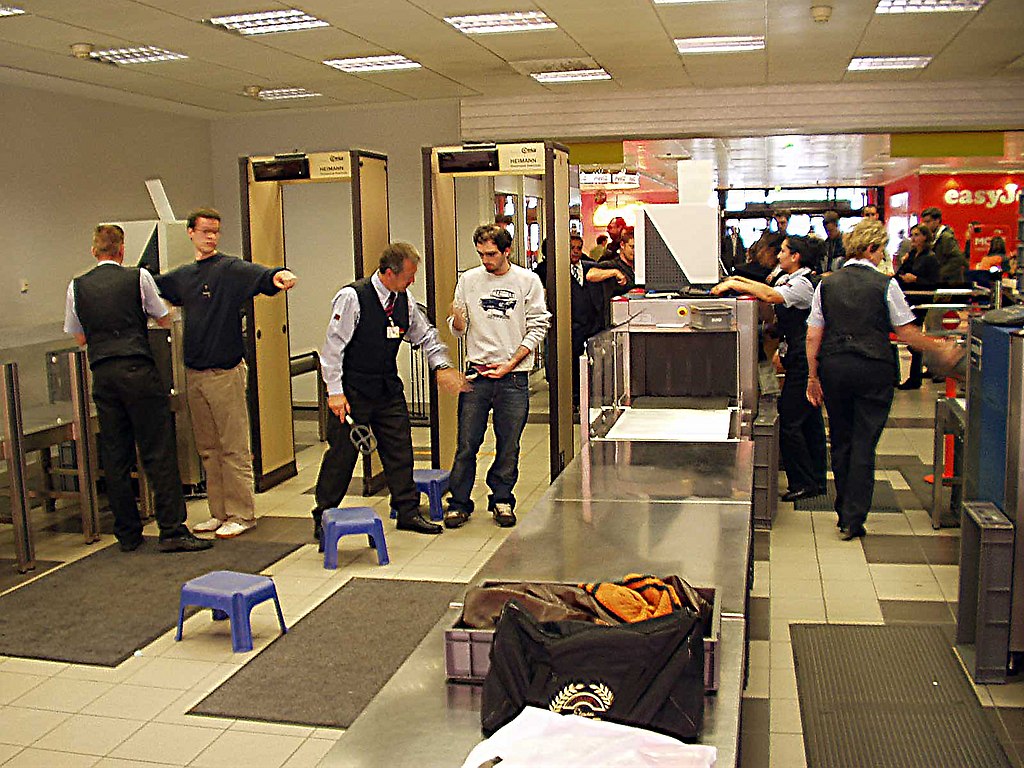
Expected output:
(390, 306)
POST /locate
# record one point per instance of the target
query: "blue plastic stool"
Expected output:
(342, 522)
(230, 595)
(433, 482)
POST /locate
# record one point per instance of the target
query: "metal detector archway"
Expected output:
(441, 167)
(266, 320)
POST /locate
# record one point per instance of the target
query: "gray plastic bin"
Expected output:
(766, 463)
(983, 606)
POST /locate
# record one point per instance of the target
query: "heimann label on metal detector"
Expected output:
(329, 165)
(521, 158)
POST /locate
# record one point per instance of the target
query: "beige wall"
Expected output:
(69, 162)
(397, 130)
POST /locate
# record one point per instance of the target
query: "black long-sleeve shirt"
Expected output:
(212, 292)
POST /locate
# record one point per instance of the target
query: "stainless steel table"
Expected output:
(659, 508)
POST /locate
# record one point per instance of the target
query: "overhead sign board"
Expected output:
(521, 158)
(329, 165)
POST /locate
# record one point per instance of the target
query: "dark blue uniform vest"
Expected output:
(370, 366)
(109, 307)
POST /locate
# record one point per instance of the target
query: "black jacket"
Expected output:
(952, 263)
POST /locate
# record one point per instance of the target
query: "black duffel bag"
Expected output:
(649, 674)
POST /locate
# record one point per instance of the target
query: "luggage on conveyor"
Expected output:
(648, 674)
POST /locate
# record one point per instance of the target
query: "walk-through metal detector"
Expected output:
(441, 167)
(267, 347)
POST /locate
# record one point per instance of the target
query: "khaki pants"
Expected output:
(220, 423)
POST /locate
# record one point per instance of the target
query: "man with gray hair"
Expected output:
(369, 320)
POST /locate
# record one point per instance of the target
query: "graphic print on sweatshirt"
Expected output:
(499, 303)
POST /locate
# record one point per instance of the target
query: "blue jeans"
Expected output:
(509, 399)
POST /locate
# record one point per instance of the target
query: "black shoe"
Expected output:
(417, 524)
(456, 518)
(854, 532)
(800, 493)
(909, 384)
(318, 530)
(130, 545)
(186, 542)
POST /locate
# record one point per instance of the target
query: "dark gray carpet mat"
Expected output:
(102, 608)
(336, 659)
(291, 530)
(10, 577)
(883, 500)
(888, 697)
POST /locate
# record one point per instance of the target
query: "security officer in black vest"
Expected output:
(369, 320)
(801, 426)
(852, 313)
(107, 309)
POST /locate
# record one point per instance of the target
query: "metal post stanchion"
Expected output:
(14, 453)
(85, 453)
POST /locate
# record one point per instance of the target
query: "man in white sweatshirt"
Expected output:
(499, 309)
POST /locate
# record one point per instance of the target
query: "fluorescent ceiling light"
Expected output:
(6, 10)
(278, 94)
(730, 44)
(373, 63)
(489, 23)
(928, 6)
(868, 63)
(266, 22)
(572, 76)
(142, 54)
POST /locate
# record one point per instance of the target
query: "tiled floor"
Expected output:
(55, 714)
(902, 572)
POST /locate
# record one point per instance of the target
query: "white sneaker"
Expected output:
(232, 529)
(209, 526)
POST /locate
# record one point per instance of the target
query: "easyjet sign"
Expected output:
(989, 198)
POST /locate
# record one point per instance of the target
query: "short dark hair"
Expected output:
(492, 233)
(831, 217)
(932, 213)
(202, 213)
(107, 239)
(396, 254)
(810, 251)
(925, 230)
(602, 239)
(575, 239)
(784, 213)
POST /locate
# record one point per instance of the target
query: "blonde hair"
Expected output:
(865, 234)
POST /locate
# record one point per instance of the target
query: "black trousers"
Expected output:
(858, 395)
(132, 408)
(802, 445)
(388, 417)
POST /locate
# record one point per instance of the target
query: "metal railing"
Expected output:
(418, 395)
